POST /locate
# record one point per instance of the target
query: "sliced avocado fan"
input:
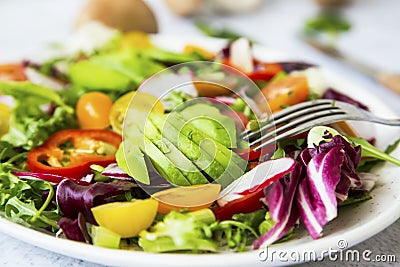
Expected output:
(130, 157)
(174, 155)
(232, 162)
(204, 161)
(213, 158)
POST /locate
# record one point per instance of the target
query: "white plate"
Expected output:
(353, 225)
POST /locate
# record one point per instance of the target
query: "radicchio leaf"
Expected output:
(316, 197)
(75, 229)
(279, 197)
(288, 67)
(351, 161)
(73, 198)
(335, 95)
(368, 181)
(314, 193)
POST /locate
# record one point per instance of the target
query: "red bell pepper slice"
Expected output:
(86, 147)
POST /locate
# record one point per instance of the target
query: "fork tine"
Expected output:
(304, 116)
(290, 110)
(290, 114)
(299, 121)
(301, 128)
(301, 106)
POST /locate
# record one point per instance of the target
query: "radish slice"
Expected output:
(114, 171)
(256, 179)
(241, 55)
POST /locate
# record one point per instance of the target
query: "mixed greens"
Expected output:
(88, 154)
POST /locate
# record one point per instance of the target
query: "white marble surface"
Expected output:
(375, 38)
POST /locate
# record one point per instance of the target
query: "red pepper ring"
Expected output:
(48, 157)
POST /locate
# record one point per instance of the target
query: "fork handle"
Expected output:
(391, 122)
(390, 80)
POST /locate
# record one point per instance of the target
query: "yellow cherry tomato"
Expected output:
(135, 39)
(5, 113)
(142, 102)
(194, 197)
(126, 219)
(93, 110)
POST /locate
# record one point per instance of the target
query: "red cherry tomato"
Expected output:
(287, 91)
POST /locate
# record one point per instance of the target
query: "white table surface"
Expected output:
(27, 25)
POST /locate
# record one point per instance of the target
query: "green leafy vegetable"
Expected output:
(7, 151)
(29, 131)
(21, 201)
(268, 223)
(33, 94)
(355, 199)
(180, 231)
(328, 22)
(369, 150)
(212, 31)
(30, 124)
(235, 233)
(367, 164)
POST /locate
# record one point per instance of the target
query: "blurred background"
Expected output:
(373, 34)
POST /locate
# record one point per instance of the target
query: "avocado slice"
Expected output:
(161, 163)
(90, 75)
(139, 146)
(174, 155)
(131, 160)
(231, 162)
(212, 123)
(200, 157)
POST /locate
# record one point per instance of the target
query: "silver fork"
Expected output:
(301, 117)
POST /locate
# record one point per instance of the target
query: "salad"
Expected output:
(112, 141)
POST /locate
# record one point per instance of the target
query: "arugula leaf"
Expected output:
(369, 150)
(30, 125)
(268, 223)
(21, 201)
(31, 131)
(280, 152)
(392, 147)
(355, 199)
(28, 91)
(6, 151)
(24, 212)
(367, 164)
